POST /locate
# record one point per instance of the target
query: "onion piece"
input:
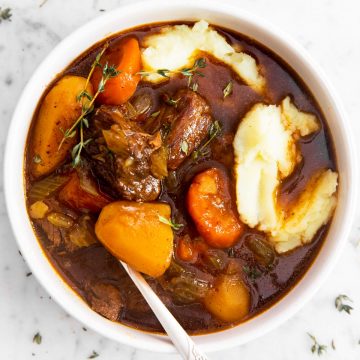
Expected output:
(38, 210)
(42, 189)
(60, 220)
(82, 233)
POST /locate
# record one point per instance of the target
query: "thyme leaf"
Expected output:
(37, 159)
(5, 14)
(340, 306)
(170, 101)
(155, 114)
(317, 348)
(252, 272)
(184, 147)
(37, 338)
(170, 223)
(93, 355)
(228, 89)
(194, 86)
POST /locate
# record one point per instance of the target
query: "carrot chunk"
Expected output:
(125, 56)
(80, 197)
(210, 206)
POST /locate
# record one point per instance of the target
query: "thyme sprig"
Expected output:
(199, 63)
(108, 72)
(215, 129)
(317, 348)
(340, 306)
(170, 223)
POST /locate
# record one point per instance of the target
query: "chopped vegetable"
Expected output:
(79, 197)
(133, 233)
(185, 250)
(215, 260)
(116, 140)
(125, 56)
(209, 204)
(159, 162)
(60, 220)
(142, 104)
(263, 251)
(82, 233)
(229, 300)
(187, 288)
(59, 110)
(45, 187)
(38, 210)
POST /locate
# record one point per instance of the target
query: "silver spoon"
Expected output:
(181, 340)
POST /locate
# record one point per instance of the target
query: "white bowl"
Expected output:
(146, 12)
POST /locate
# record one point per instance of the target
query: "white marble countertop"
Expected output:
(330, 31)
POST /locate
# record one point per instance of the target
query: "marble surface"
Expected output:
(330, 31)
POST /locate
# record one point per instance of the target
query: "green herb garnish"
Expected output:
(93, 355)
(339, 304)
(37, 338)
(317, 348)
(108, 72)
(228, 89)
(155, 114)
(170, 223)
(170, 101)
(5, 14)
(37, 159)
(214, 131)
(184, 147)
(252, 272)
(194, 86)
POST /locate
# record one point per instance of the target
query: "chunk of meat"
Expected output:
(128, 167)
(106, 300)
(189, 128)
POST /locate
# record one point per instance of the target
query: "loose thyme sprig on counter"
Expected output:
(188, 72)
(108, 72)
(317, 348)
(339, 304)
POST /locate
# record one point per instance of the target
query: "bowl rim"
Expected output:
(42, 268)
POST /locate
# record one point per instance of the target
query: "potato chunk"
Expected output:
(132, 232)
(229, 300)
(59, 110)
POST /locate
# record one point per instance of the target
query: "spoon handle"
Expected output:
(177, 334)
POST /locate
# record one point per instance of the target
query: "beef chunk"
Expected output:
(191, 125)
(105, 299)
(127, 167)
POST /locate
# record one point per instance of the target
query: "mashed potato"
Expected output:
(265, 152)
(177, 47)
